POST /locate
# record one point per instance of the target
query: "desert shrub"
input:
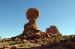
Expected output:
(55, 40)
(30, 45)
(14, 42)
(4, 44)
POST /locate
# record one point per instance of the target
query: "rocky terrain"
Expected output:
(33, 38)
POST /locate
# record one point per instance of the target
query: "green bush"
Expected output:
(15, 42)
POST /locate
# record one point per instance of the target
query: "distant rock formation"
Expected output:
(52, 30)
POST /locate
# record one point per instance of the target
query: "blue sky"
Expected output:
(52, 12)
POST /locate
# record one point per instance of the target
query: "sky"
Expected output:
(60, 13)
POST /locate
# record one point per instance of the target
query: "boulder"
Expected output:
(32, 13)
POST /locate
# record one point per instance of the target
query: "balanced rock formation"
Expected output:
(32, 14)
(31, 30)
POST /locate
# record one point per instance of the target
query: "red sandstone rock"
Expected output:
(27, 27)
(47, 30)
(33, 24)
(32, 13)
(52, 30)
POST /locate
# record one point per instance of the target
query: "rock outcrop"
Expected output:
(52, 30)
(54, 33)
